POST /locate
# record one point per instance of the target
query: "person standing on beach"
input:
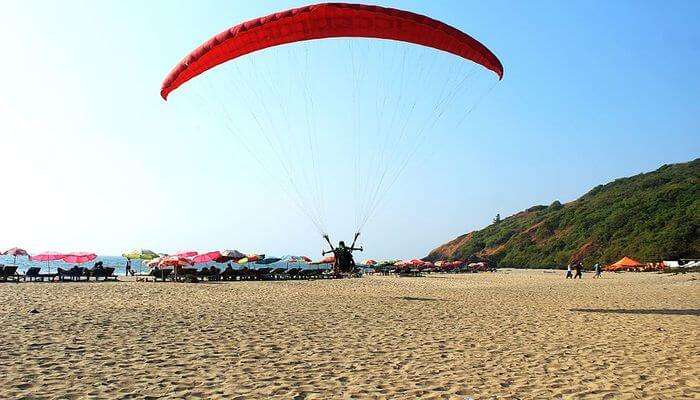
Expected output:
(598, 270)
(128, 268)
(568, 271)
(579, 269)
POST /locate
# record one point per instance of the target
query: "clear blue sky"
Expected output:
(93, 159)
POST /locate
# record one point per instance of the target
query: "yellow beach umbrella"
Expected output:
(140, 254)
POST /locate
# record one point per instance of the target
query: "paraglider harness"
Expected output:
(344, 263)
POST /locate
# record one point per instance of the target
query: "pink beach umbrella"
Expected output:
(79, 257)
(186, 254)
(206, 257)
(48, 257)
(16, 252)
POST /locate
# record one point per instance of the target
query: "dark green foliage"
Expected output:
(648, 217)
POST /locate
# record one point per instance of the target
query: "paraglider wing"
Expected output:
(329, 20)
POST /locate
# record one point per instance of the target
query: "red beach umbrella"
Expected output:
(16, 252)
(48, 257)
(187, 254)
(79, 257)
(174, 261)
(206, 257)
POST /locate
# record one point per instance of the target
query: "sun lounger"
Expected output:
(74, 274)
(9, 273)
(263, 273)
(278, 273)
(293, 273)
(64, 274)
(229, 274)
(161, 274)
(212, 274)
(34, 274)
(106, 273)
(309, 273)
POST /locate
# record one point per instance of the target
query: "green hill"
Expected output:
(648, 217)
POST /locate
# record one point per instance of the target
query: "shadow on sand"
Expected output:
(418, 298)
(693, 312)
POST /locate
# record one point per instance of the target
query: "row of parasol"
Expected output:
(414, 263)
(190, 258)
(72, 257)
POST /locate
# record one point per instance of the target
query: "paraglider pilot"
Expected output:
(343, 254)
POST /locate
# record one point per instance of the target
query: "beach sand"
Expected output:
(510, 334)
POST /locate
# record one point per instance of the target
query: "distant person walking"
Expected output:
(598, 270)
(128, 268)
(579, 271)
(568, 271)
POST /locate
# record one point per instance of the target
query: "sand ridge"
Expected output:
(510, 334)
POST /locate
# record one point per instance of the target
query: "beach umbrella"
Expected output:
(229, 255)
(140, 254)
(325, 260)
(79, 257)
(269, 260)
(233, 254)
(16, 252)
(206, 257)
(296, 259)
(255, 257)
(47, 256)
(153, 263)
(369, 262)
(174, 261)
(186, 254)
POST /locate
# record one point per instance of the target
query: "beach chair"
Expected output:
(278, 273)
(106, 273)
(293, 273)
(212, 274)
(161, 274)
(229, 274)
(64, 274)
(9, 273)
(263, 273)
(32, 274)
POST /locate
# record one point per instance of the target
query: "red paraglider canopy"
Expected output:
(329, 20)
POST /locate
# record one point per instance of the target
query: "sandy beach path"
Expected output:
(511, 334)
